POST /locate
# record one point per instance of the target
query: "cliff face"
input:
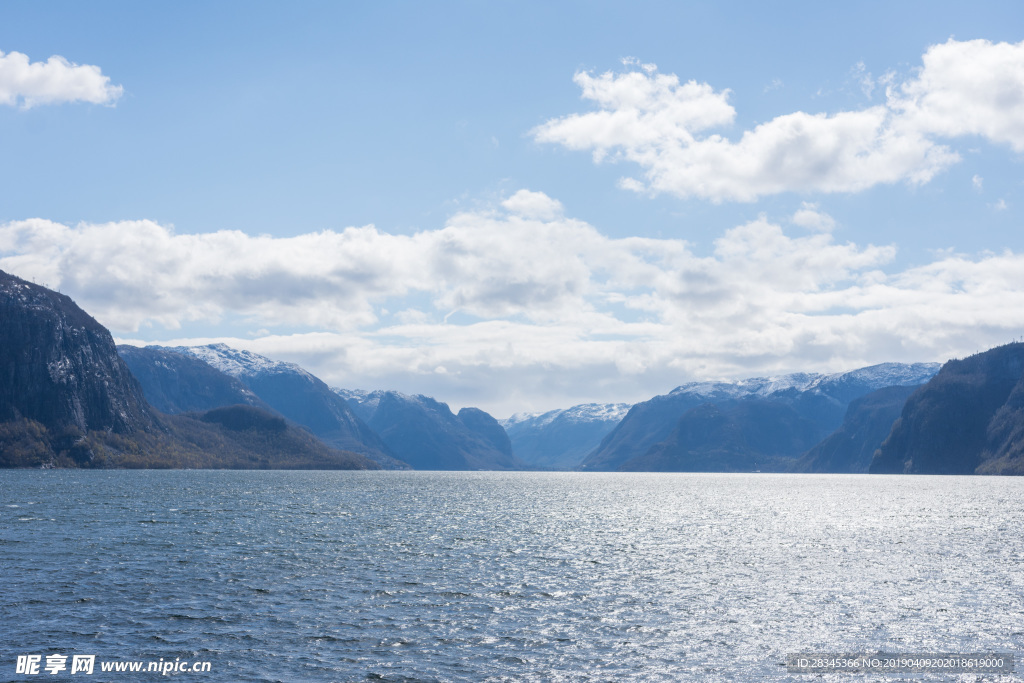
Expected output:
(967, 419)
(59, 367)
(484, 426)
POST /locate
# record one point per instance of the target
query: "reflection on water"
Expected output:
(319, 576)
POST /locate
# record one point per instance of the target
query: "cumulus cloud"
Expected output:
(967, 88)
(52, 82)
(671, 129)
(550, 311)
(533, 205)
(808, 216)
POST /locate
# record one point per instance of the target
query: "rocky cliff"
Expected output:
(68, 400)
(968, 419)
(60, 368)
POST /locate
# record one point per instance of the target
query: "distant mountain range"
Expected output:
(245, 377)
(561, 439)
(68, 397)
(426, 434)
(763, 423)
(395, 430)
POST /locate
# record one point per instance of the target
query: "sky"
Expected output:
(523, 206)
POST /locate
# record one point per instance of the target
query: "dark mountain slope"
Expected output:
(59, 367)
(741, 435)
(426, 434)
(967, 419)
(866, 425)
(488, 429)
(189, 441)
(645, 425)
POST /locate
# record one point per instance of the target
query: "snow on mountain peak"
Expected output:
(584, 412)
(874, 376)
(237, 362)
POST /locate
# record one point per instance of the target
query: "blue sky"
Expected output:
(523, 206)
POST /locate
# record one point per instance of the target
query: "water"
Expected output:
(348, 576)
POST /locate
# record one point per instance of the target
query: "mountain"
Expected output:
(968, 419)
(295, 394)
(560, 439)
(59, 366)
(488, 429)
(865, 426)
(426, 434)
(232, 437)
(254, 438)
(67, 399)
(820, 398)
(175, 383)
(738, 435)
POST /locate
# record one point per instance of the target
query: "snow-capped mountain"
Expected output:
(585, 412)
(868, 378)
(560, 439)
(821, 399)
(237, 362)
(177, 383)
(297, 395)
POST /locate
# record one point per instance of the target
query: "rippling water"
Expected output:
(341, 576)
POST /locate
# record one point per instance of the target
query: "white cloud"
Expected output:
(978, 182)
(550, 311)
(808, 216)
(967, 88)
(52, 82)
(865, 81)
(667, 128)
(533, 205)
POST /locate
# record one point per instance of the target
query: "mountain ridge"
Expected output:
(560, 439)
(425, 433)
(822, 397)
(68, 399)
(296, 394)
